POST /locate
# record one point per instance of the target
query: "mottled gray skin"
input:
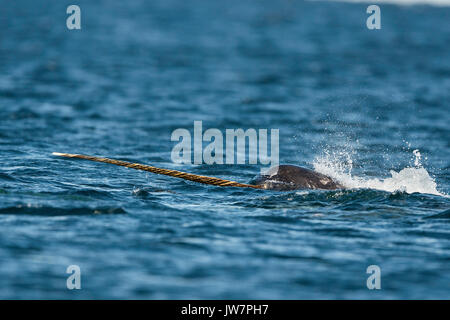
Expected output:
(288, 177)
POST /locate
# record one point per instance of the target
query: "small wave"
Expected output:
(29, 209)
(442, 215)
(22, 113)
(409, 180)
(147, 192)
(88, 193)
(7, 177)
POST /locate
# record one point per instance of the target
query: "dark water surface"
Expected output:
(344, 97)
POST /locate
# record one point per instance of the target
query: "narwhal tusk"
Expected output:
(173, 173)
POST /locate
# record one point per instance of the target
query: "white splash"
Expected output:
(409, 180)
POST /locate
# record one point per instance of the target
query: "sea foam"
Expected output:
(409, 179)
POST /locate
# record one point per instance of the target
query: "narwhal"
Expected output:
(282, 177)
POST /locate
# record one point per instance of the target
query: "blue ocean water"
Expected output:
(368, 107)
